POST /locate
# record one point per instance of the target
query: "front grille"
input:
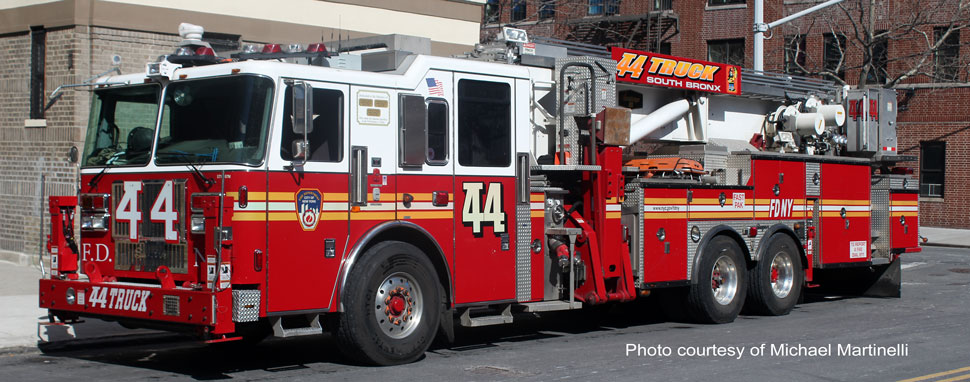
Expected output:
(147, 256)
(150, 251)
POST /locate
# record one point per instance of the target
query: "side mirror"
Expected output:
(302, 108)
(72, 155)
(302, 118)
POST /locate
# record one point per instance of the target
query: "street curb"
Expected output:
(945, 245)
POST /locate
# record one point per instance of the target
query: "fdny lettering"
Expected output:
(133, 300)
(476, 213)
(780, 208)
(632, 65)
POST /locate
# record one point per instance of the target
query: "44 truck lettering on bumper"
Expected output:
(118, 298)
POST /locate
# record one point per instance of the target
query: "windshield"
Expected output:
(121, 126)
(215, 120)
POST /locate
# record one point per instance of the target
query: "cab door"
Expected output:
(306, 204)
(484, 202)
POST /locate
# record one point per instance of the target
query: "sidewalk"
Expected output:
(945, 237)
(21, 321)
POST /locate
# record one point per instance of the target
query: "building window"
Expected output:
(714, 3)
(547, 9)
(518, 10)
(492, 10)
(833, 49)
(604, 7)
(730, 52)
(795, 54)
(932, 160)
(663, 5)
(880, 60)
(664, 48)
(946, 59)
(38, 52)
(484, 123)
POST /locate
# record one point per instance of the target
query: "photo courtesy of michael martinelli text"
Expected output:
(768, 350)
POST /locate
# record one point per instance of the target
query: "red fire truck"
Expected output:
(390, 196)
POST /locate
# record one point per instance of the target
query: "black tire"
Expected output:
(400, 331)
(775, 283)
(718, 294)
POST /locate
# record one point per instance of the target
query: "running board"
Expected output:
(314, 328)
(505, 317)
(550, 306)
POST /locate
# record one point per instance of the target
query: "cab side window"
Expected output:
(326, 139)
(484, 123)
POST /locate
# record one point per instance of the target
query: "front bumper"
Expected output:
(207, 311)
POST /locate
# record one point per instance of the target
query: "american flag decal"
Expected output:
(435, 87)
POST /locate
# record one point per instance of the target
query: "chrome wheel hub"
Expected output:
(724, 280)
(782, 275)
(398, 303)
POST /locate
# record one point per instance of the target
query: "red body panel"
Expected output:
(483, 270)
(845, 186)
(664, 209)
(296, 259)
(789, 177)
(904, 219)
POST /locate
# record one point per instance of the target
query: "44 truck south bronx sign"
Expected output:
(676, 72)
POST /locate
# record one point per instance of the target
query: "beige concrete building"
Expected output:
(47, 43)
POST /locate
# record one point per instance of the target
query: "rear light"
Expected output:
(902, 170)
(94, 221)
(70, 296)
(439, 198)
(243, 197)
(272, 48)
(205, 51)
(316, 48)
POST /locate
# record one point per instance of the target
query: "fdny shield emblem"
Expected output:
(308, 204)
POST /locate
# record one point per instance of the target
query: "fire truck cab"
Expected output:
(390, 197)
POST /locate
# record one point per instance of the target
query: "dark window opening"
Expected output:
(437, 132)
(946, 59)
(730, 52)
(484, 124)
(880, 61)
(932, 168)
(604, 7)
(725, 2)
(663, 48)
(663, 5)
(518, 10)
(547, 9)
(492, 11)
(38, 53)
(795, 54)
(326, 142)
(833, 50)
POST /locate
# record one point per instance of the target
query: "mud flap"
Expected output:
(446, 329)
(874, 281)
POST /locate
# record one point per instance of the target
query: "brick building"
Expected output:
(47, 43)
(920, 41)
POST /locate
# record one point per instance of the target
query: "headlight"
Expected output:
(695, 233)
(94, 222)
(198, 224)
(70, 296)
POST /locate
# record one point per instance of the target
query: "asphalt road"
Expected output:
(929, 323)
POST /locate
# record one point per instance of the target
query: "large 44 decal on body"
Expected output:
(163, 209)
(476, 213)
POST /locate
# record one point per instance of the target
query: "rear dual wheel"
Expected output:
(718, 294)
(392, 304)
(776, 280)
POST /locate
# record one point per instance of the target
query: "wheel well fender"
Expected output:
(403, 231)
(780, 229)
(719, 230)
